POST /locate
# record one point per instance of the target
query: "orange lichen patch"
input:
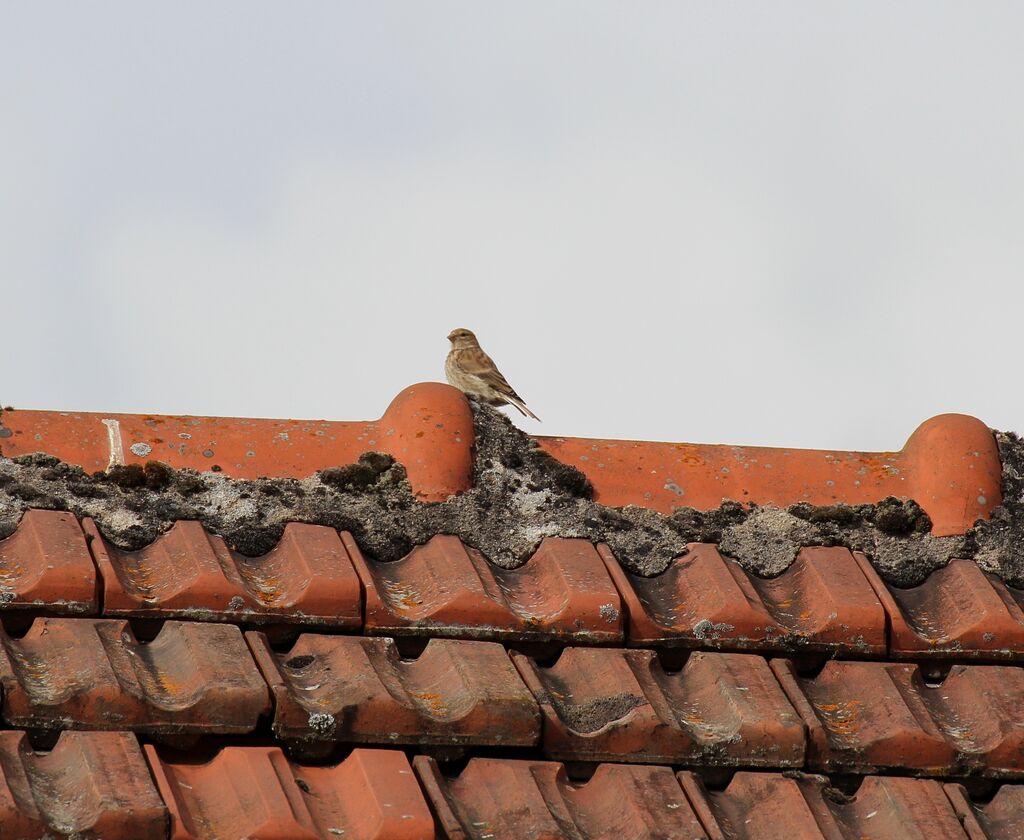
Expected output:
(842, 717)
(432, 700)
(428, 428)
(950, 466)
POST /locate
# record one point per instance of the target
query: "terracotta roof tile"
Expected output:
(45, 563)
(187, 572)
(496, 798)
(448, 685)
(428, 428)
(821, 602)
(256, 792)
(603, 704)
(359, 689)
(770, 806)
(950, 466)
(443, 588)
(865, 716)
(1002, 818)
(83, 673)
(91, 785)
(959, 611)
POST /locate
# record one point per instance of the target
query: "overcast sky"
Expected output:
(793, 224)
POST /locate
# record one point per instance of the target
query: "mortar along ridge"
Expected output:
(520, 495)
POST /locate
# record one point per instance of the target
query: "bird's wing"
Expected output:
(477, 363)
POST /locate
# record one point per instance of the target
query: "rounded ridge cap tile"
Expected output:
(950, 465)
(428, 428)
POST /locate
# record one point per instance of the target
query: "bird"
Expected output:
(474, 373)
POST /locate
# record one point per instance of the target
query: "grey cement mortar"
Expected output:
(520, 495)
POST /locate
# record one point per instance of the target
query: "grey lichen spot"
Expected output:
(674, 488)
(141, 449)
(609, 613)
(236, 603)
(207, 453)
(705, 627)
(988, 637)
(322, 723)
(7, 594)
(5, 432)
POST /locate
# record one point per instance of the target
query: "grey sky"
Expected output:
(787, 224)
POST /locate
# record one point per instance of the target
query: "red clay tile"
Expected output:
(81, 673)
(503, 798)
(255, 792)
(91, 785)
(1002, 818)
(950, 465)
(772, 806)
(307, 577)
(46, 563)
(605, 704)
(958, 611)
(428, 427)
(443, 588)
(359, 689)
(862, 716)
(822, 602)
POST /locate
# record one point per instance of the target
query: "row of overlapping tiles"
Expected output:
(591, 704)
(102, 784)
(829, 600)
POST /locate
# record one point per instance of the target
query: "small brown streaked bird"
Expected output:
(474, 373)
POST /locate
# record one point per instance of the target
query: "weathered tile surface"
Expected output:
(444, 588)
(306, 578)
(359, 689)
(84, 673)
(958, 612)
(255, 792)
(867, 716)
(91, 785)
(822, 602)
(45, 566)
(607, 704)
(505, 798)
(771, 806)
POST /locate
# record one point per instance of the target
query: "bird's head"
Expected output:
(461, 337)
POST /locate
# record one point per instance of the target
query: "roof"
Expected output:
(228, 628)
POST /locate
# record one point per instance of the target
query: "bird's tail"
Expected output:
(515, 400)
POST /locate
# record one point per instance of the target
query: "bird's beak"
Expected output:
(451, 335)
